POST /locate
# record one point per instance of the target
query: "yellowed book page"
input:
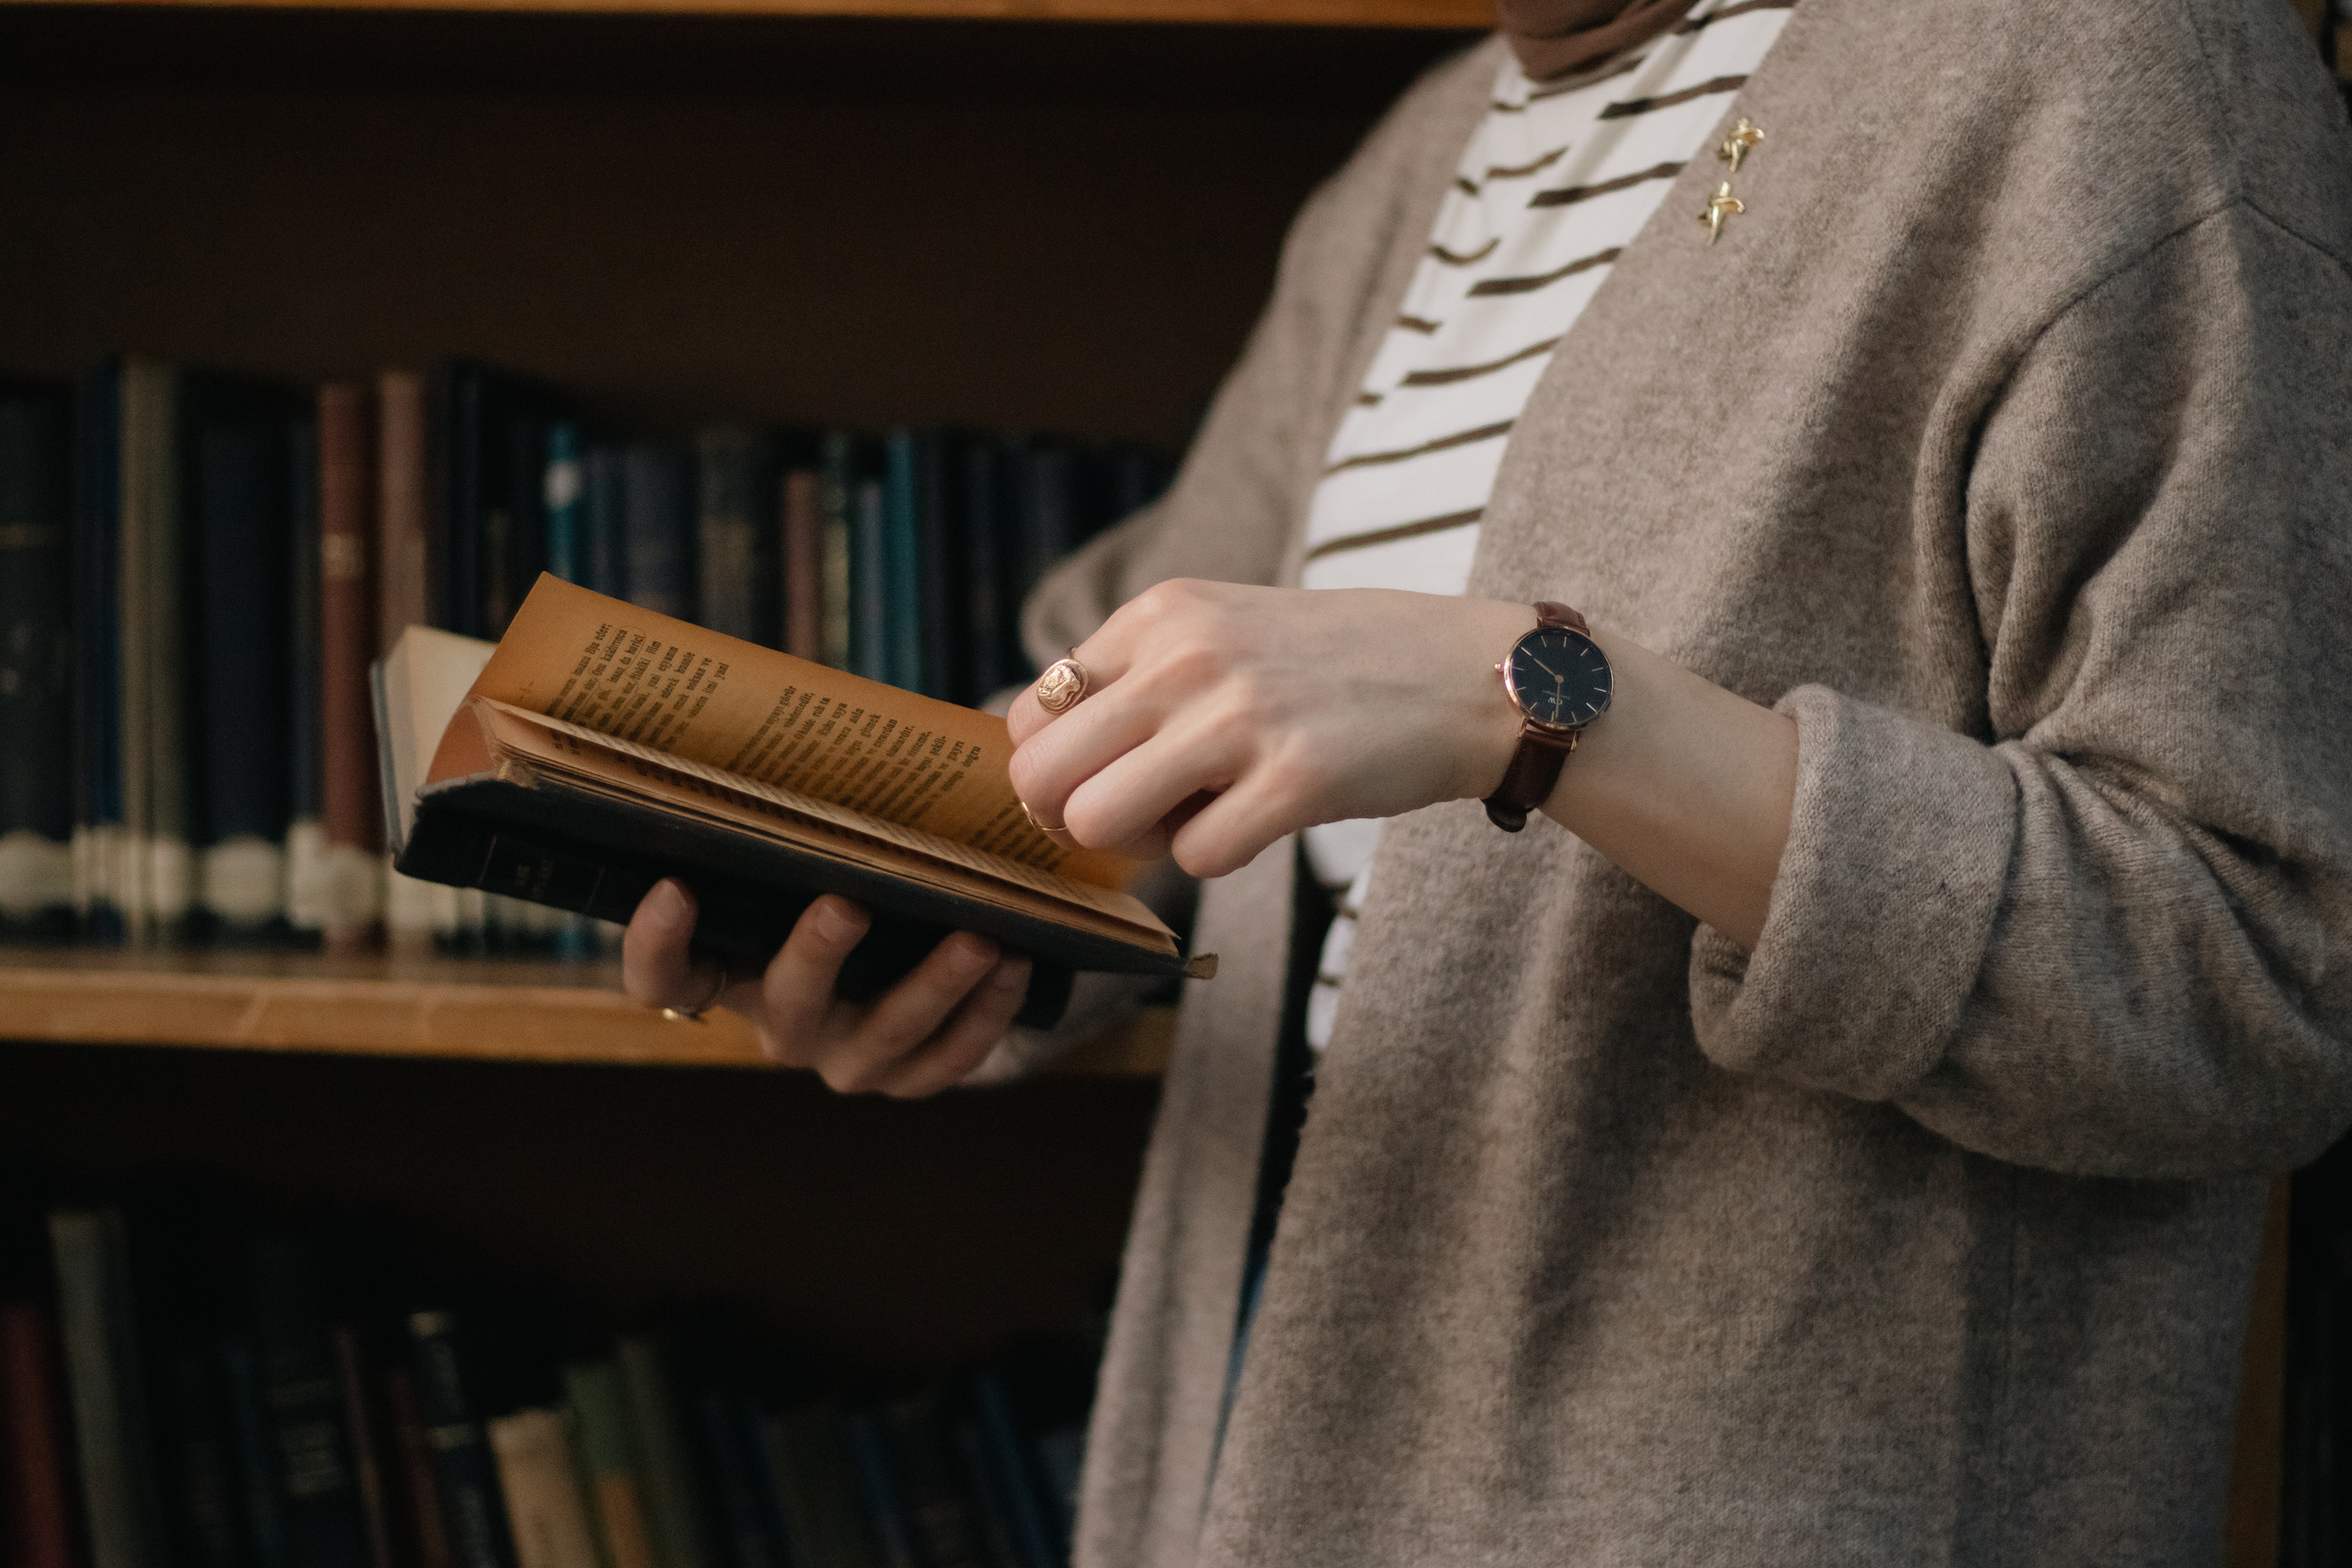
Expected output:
(624, 770)
(617, 670)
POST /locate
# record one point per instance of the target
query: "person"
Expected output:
(1836, 1128)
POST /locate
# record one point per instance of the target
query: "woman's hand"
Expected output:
(927, 1033)
(1219, 718)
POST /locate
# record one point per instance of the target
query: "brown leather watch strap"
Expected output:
(1542, 749)
(1530, 779)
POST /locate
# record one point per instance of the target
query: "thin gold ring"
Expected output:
(1042, 827)
(695, 1014)
(1063, 683)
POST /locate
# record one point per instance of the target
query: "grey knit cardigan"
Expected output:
(2003, 442)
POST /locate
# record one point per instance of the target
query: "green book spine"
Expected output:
(673, 1504)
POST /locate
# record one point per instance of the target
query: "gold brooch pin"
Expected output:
(1738, 144)
(1719, 206)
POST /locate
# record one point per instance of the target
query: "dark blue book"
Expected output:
(748, 1533)
(739, 535)
(1049, 520)
(874, 1461)
(306, 742)
(905, 456)
(486, 526)
(318, 1480)
(205, 1485)
(567, 502)
(658, 524)
(99, 831)
(604, 519)
(237, 525)
(474, 1510)
(1011, 1465)
(257, 1467)
(991, 637)
(36, 659)
(941, 600)
(869, 581)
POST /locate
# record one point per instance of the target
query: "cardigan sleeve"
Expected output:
(2113, 935)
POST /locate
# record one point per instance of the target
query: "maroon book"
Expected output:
(347, 640)
(413, 1446)
(404, 557)
(361, 1415)
(36, 1484)
(804, 565)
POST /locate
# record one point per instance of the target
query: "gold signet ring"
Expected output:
(1060, 686)
(1042, 827)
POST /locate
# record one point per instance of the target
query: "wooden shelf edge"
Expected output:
(522, 1013)
(1417, 14)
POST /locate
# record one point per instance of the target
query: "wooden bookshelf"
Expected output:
(482, 1010)
(1216, 13)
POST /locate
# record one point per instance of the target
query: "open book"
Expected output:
(602, 747)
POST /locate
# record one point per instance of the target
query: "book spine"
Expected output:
(940, 570)
(463, 1471)
(405, 565)
(364, 1422)
(879, 1493)
(309, 1440)
(424, 1522)
(37, 661)
(673, 1502)
(658, 523)
(565, 500)
(352, 895)
(743, 1523)
(158, 884)
(737, 535)
(257, 1463)
(870, 655)
(605, 480)
(539, 1479)
(37, 1485)
(455, 488)
(237, 811)
(818, 1488)
(205, 1476)
(306, 752)
(902, 562)
(514, 543)
(112, 1435)
(608, 1454)
(1037, 1542)
(803, 565)
(838, 493)
(988, 631)
(98, 827)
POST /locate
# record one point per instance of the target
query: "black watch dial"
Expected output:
(1559, 678)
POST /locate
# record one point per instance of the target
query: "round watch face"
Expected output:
(1558, 676)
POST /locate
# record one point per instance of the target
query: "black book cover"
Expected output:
(941, 567)
(748, 1533)
(306, 785)
(657, 525)
(739, 535)
(561, 847)
(487, 519)
(36, 659)
(98, 647)
(471, 1505)
(237, 485)
(318, 1483)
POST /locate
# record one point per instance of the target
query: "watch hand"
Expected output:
(1546, 668)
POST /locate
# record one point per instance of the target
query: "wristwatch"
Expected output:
(1559, 680)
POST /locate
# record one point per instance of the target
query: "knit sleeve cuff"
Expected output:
(1898, 853)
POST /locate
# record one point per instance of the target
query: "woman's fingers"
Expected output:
(658, 968)
(957, 1046)
(796, 994)
(871, 1041)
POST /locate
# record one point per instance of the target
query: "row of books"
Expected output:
(196, 569)
(161, 1409)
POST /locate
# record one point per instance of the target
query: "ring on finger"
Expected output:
(1062, 684)
(1042, 827)
(694, 1014)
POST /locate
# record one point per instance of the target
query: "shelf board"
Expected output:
(483, 1010)
(1433, 14)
